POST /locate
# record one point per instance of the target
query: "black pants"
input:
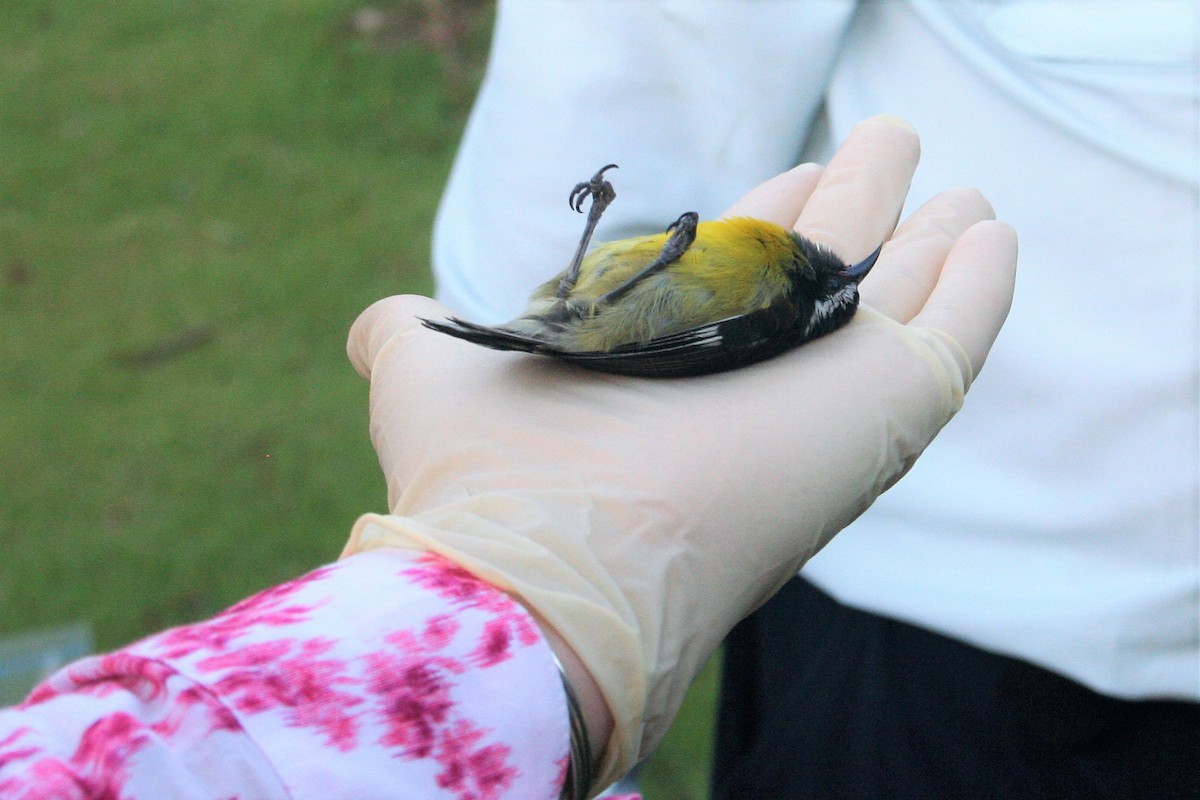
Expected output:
(826, 702)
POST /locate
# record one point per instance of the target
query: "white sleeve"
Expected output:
(696, 101)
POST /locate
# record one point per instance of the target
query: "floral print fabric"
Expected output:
(390, 674)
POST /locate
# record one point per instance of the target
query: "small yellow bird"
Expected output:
(701, 298)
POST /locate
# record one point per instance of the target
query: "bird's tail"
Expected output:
(495, 338)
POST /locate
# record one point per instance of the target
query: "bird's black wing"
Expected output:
(714, 347)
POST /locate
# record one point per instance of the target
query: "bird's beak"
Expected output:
(859, 271)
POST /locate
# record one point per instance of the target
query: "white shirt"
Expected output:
(1057, 518)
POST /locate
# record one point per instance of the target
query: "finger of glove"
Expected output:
(974, 291)
(900, 284)
(384, 320)
(861, 192)
(780, 199)
(389, 346)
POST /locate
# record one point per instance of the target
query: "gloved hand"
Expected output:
(641, 519)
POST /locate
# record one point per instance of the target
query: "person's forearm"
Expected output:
(391, 669)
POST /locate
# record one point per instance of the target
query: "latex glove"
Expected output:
(641, 519)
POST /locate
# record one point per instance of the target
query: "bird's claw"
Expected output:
(600, 190)
(687, 222)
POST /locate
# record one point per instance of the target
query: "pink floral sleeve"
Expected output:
(389, 674)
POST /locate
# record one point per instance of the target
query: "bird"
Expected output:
(699, 298)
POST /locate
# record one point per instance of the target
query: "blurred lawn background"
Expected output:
(196, 199)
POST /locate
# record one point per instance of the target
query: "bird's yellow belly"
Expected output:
(730, 269)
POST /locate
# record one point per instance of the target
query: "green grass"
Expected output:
(196, 199)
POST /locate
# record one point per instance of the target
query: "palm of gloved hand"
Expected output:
(640, 518)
